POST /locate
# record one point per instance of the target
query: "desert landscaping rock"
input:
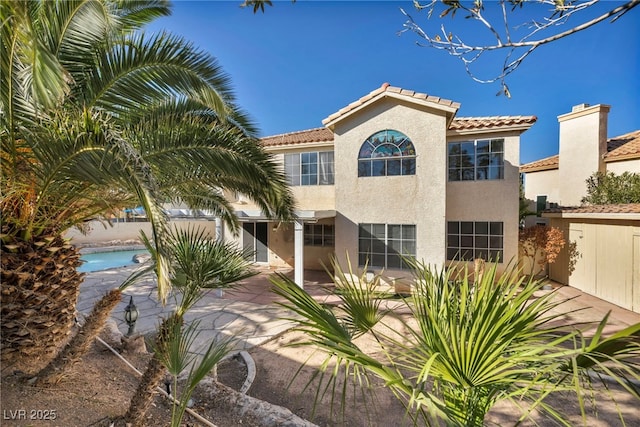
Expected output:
(134, 345)
(111, 334)
(269, 415)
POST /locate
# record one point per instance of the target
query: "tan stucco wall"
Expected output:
(490, 200)
(280, 241)
(417, 199)
(624, 166)
(542, 183)
(583, 141)
(315, 197)
(121, 231)
(307, 197)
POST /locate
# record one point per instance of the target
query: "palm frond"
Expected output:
(135, 15)
(200, 262)
(31, 72)
(360, 297)
(138, 69)
(225, 159)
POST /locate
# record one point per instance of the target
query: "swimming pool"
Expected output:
(98, 261)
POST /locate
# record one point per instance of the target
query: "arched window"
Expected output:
(387, 153)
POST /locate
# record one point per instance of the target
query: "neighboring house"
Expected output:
(394, 173)
(560, 180)
(605, 259)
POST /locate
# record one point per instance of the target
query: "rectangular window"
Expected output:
(387, 167)
(476, 160)
(311, 168)
(319, 235)
(384, 245)
(468, 240)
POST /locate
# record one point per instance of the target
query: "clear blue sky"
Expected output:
(296, 64)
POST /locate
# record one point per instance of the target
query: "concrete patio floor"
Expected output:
(250, 313)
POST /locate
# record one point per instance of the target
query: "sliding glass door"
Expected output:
(254, 239)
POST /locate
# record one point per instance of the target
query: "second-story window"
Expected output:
(476, 160)
(309, 168)
(387, 153)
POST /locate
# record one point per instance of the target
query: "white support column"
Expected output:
(298, 245)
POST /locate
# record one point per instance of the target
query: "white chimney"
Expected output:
(583, 143)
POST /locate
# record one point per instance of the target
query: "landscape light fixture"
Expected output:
(131, 316)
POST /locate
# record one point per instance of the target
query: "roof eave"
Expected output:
(593, 215)
(632, 156)
(498, 129)
(289, 146)
(449, 110)
(539, 168)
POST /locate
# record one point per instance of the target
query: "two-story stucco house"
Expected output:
(394, 173)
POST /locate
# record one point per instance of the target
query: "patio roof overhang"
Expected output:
(301, 215)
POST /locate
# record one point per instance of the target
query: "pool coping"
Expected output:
(112, 248)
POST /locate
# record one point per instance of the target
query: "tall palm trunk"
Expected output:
(143, 397)
(39, 285)
(81, 342)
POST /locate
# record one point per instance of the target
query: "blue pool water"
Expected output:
(104, 260)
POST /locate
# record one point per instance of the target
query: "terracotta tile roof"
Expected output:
(542, 164)
(623, 147)
(627, 208)
(473, 123)
(462, 123)
(391, 89)
(311, 135)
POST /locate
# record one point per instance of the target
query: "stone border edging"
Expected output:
(251, 371)
(270, 415)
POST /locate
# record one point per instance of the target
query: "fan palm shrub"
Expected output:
(467, 346)
(97, 115)
(176, 355)
(199, 264)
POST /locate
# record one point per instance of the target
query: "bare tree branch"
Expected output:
(516, 51)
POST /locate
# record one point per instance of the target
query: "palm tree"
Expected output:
(465, 346)
(96, 116)
(200, 264)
